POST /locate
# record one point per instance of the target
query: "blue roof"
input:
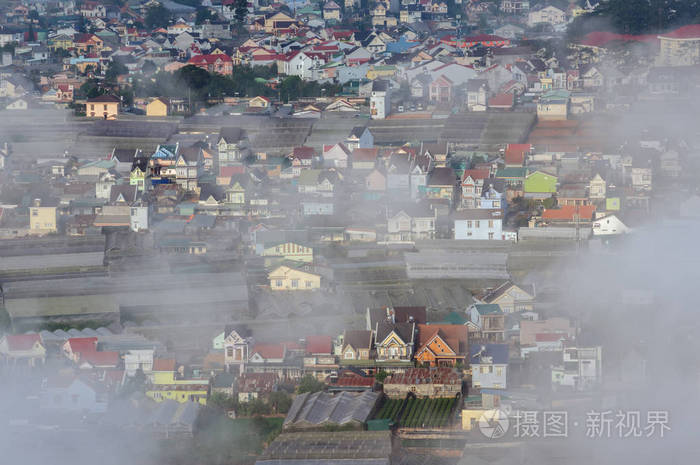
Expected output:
(488, 309)
(165, 151)
(400, 46)
(498, 353)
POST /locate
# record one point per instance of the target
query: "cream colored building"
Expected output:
(284, 278)
(42, 220)
(680, 47)
(158, 107)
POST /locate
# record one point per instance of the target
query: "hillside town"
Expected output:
(329, 232)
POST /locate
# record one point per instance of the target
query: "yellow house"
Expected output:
(290, 251)
(104, 106)
(259, 102)
(63, 41)
(471, 417)
(271, 22)
(164, 385)
(284, 278)
(42, 220)
(158, 107)
(381, 71)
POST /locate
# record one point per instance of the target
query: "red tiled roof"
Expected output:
(454, 335)
(164, 364)
(257, 382)
(549, 337)
(83, 345)
(209, 59)
(442, 375)
(319, 345)
(567, 212)
(365, 154)
(354, 381)
(101, 359)
(502, 100)
(303, 153)
(601, 38)
(20, 342)
(515, 153)
(691, 31)
(476, 174)
(268, 351)
(227, 171)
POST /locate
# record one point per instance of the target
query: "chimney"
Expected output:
(36, 202)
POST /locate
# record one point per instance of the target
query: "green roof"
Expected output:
(454, 318)
(488, 309)
(511, 172)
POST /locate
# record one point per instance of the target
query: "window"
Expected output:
(477, 224)
(309, 284)
(229, 351)
(469, 224)
(35, 212)
(92, 107)
(484, 370)
(278, 283)
(490, 236)
(295, 283)
(490, 224)
(499, 371)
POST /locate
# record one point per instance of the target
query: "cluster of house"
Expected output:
(441, 66)
(83, 370)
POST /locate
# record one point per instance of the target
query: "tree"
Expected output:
(381, 375)
(115, 69)
(157, 16)
(310, 384)
(279, 401)
(240, 10)
(204, 15)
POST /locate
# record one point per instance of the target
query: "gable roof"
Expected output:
(405, 331)
(268, 351)
(319, 345)
(455, 336)
(497, 352)
(21, 342)
(358, 339)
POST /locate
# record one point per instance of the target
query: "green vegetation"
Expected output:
(157, 16)
(310, 384)
(276, 403)
(222, 441)
(417, 412)
(637, 16)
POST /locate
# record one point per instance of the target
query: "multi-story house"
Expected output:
(581, 368)
(411, 223)
(472, 185)
(236, 343)
(489, 321)
(478, 224)
(394, 341)
(232, 148)
(489, 364)
(188, 167)
(284, 278)
(515, 7)
(219, 64)
(441, 345)
(356, 345)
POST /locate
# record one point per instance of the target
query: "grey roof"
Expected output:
(232, 134)
(406, 331)
(380, 85)
(323, 408)
(478, 214)
(334, 448)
